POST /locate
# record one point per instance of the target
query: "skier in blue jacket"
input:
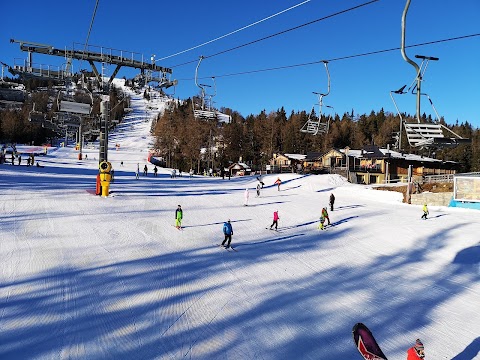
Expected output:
(228, 232)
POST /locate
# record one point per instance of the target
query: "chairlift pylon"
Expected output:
(423, 135)
(313, 126)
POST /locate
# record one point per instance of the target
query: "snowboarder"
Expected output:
(322, 222)
(275, 220)
(258, 190)
(155, 171)
(228, 232)
(178, 217)
(137, 173)
(325, 215)
(246, 196)
(425, 211)
(278, 182)
(332, 201)
(416, 352)
(145, 170)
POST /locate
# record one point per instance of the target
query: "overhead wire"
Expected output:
(281, 32)
(234, 32)
(375, 52)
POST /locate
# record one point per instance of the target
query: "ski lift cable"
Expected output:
(282, 32)
(347, 57)
(234, 32)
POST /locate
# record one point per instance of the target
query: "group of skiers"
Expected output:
(145, 170)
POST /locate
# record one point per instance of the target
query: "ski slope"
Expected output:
(85, 277)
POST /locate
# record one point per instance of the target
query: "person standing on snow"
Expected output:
(155, 171)
(259, 178)
(178, 217)
(416, 352)
(246, 195)
(278, 182)
(425, 211)
(228, 232)
(145, 170)
(322, 222)
(258, 190)
(325, 215)
(275, 220)
(332, 201)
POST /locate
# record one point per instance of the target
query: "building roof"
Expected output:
(370, 152)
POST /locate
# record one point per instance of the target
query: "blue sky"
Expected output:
(361, 83)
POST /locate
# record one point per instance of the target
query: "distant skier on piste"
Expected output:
(416, 352)
(275, 220)
(321, 226)
(228, 232)
(325, 215)
(425, 211)
(246, 195)
(332, 201)
(278, 182)
(178, 217)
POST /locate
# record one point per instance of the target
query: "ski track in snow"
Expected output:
(85, 277)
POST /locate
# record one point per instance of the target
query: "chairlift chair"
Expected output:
(205, 110)
(37, 117)
(422, 135)
(314, 126)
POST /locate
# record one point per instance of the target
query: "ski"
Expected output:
(272, 229)
(228, 249)
(366, 344)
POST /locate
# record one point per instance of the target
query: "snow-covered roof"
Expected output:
(393, 155)
(296, 156)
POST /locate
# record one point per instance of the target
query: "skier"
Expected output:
(332, 201)
(259, 178)
(325, 215)
(258, 190)
(425, 211)
(278, 182)
(178, 217)
(322, 222)
(155, 171)
(228, 232)
(145, 170)
(416, 352)
(275, 220)
(246, 196)
(137, 173)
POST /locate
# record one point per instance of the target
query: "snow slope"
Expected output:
(85, 277)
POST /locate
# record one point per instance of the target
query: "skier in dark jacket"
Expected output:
(228, 232)
(332, 201)
(178, 217)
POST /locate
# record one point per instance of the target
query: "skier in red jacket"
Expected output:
(416, 352)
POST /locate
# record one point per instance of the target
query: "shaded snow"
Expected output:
(85, 277)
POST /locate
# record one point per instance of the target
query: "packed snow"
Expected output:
(87, 277)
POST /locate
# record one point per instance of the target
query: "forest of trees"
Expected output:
(254, 139)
